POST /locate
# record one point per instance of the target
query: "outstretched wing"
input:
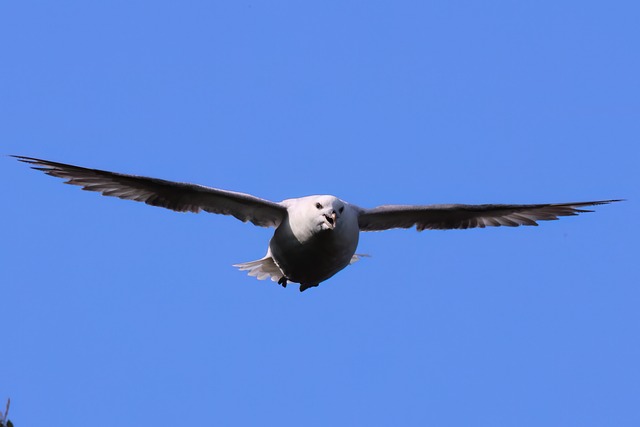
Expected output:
(443, 217)
(177, 196)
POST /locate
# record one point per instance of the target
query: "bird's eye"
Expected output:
(341, 209)
(318, 205)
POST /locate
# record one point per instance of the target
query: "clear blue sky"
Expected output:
(114, 312)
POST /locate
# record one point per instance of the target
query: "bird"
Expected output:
(315, 236)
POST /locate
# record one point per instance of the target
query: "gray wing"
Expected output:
(177, 196)
(442, 217)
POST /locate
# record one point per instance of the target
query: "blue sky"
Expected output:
(117, 312)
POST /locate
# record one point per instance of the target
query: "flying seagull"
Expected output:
(315, 236)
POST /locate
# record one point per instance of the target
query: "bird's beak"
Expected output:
(332, 220)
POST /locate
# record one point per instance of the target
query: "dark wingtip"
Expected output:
(606, 202)
(25, 159)
(593, 203)
(37, 164)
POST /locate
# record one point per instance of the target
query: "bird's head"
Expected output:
(329, 210)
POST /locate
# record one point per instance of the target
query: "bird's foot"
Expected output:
(304, 287)
(283, 281)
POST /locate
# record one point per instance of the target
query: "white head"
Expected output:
(314, 214)
(329, 211)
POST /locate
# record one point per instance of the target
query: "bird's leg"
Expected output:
(304, 287)
(283, 282)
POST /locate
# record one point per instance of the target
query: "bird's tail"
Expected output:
(262, 269)
(358, 257)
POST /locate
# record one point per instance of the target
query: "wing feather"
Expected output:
(177, 196)
(443, 217)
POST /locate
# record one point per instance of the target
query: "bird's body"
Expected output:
(310, 252)
(315, 236)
